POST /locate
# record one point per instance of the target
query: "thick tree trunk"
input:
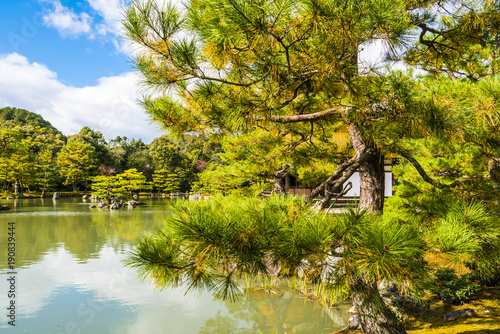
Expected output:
(279, 188)
(371, 173)
(372, 181)
(494, 170)
(374, 315)
(335, 182)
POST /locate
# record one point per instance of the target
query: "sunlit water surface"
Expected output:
(71, 279)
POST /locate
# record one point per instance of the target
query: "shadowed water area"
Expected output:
(71, 279)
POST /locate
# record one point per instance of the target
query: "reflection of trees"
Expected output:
(282, 312)
(222, 324)
(80, 230)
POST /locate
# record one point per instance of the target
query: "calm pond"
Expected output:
(71, 279)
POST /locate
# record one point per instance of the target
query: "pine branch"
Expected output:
(338, 177)
(423, 174)
(432, 44)
(301, 118)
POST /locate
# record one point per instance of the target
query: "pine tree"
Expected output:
(165, 182)
(292, 68)
(211, 244)
(132, 181)
(108, 187)
(76, 161)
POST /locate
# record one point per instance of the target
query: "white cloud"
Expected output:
(110, 106)
(66, 21)
(107, 24)
(112, 13)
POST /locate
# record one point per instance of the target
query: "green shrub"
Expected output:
(452, 289)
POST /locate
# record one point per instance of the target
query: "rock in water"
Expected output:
(56, 195)
(195, 197)
(102, 205)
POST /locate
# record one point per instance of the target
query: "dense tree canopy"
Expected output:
(282, 80)
(29, 156)
(292, 68)
(20, 117)
(76, 161)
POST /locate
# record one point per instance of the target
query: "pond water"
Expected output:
(71, 279)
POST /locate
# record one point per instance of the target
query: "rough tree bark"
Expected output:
(279, 187)
(374, 315)
(494, 170)
(339, 177)
(370, 164)
(371, 173)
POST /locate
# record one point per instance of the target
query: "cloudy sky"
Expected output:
(66, 60)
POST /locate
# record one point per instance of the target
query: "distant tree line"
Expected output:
(39, 157)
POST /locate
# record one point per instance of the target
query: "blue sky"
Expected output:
(67, 61)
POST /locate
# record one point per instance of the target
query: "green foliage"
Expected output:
(12, 117)
(76, 161)
(47, 176)
(453, 289)
(132, 181)
(98, 143)
(29, 150)
(28, 157)
(226, 237)
(281, 83)
(383, 248)
(126, 154)
(465, 229)
(493, 276)
(165, 182)
(14, 159)
(119, 186)
(186, 157)
(287, 89)
(108, 187)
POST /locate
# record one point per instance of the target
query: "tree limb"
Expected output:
(424, 175)
(6, 147)
(299, 118)
(338, 177)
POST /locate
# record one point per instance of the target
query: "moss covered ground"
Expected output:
(486, 303)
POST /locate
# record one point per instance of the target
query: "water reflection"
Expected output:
(72, 280)
(83, 231)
